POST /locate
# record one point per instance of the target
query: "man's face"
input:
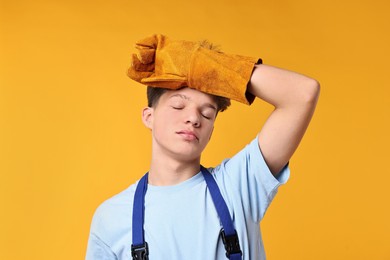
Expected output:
(182, 123)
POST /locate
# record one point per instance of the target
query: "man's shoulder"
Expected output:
(113, 214)
(117, 202)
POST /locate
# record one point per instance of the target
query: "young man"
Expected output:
(179, 217)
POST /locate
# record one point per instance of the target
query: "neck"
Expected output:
(168, 171)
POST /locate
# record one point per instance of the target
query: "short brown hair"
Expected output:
(154, 94)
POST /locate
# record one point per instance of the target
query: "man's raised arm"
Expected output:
(294, 97)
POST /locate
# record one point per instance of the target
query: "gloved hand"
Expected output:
(171, 64)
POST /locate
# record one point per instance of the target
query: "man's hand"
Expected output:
(161, 62)
(171, 64)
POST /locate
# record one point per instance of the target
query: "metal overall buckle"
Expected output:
(140, 252)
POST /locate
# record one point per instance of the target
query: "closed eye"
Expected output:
(207, 117)
(177, 107)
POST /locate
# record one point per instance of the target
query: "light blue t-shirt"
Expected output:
(181, 222)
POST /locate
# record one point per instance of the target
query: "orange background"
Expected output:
(71, 134)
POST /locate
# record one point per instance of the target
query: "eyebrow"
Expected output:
(209, 105)
(180, 95)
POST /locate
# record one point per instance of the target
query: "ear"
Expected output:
(147, 117)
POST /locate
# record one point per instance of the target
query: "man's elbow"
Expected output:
(311, 91)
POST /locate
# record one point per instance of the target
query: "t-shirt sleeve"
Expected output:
(98, 250)
(110, 224)
(247, 181)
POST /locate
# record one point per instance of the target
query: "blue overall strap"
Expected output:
(139, 248)
(228, 233)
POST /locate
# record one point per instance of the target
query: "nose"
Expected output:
(193, 118)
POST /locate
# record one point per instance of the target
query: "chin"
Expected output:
(187, 155)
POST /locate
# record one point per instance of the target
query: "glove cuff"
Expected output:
(222, 74)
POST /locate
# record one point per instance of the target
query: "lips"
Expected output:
(188, 135)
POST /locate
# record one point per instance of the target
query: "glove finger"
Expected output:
(156, 41)
(149, 42)
(145, 55)
(138, 65)
(165, 81)
(138, 75)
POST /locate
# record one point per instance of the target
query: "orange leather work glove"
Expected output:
(161, 62)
